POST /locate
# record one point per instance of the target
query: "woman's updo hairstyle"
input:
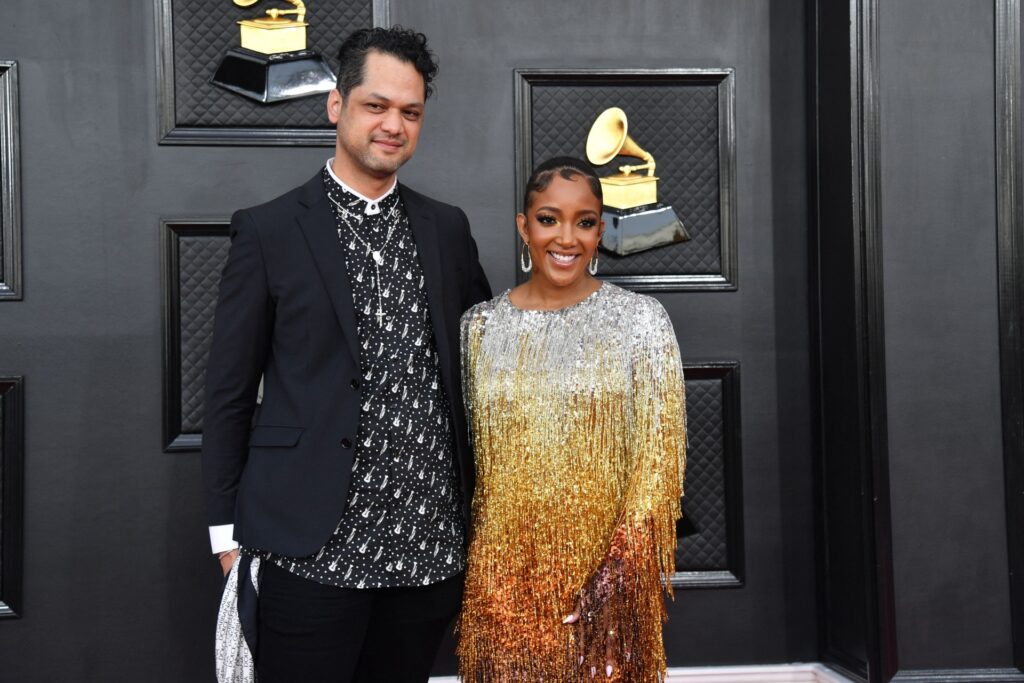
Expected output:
(569, 168)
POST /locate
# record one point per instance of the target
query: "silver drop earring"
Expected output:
(592, 266)
(525, 260)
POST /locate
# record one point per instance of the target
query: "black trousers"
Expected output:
(314, 633)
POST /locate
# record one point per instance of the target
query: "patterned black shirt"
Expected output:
(402, 524)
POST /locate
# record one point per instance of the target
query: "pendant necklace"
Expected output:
(377, 254)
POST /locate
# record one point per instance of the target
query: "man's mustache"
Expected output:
(401, 142)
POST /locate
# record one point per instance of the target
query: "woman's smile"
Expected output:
(563, 259)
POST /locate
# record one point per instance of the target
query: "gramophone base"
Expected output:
(273, 78)
(627, 231)
(627, 191)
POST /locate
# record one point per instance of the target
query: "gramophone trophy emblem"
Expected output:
(634, 218)
(273, 62)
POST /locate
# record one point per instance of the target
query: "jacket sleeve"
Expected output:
(477, 288)
(238, 353)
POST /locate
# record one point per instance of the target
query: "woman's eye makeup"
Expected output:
(551, 219)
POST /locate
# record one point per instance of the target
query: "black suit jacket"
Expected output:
(285, 312)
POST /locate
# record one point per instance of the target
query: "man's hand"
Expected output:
(227, 560)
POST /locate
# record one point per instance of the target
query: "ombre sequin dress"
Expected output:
(579, 433)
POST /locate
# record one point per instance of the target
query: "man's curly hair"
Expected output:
(405, 44)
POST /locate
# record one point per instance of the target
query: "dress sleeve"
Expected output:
(657, 449)
(622, 606)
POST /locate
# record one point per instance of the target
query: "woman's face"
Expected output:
(563, 227)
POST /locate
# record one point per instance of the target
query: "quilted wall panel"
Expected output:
(200, 263)
(3, 230)
(705, 502)
(1, 455)
(205, 29)
(2, 473)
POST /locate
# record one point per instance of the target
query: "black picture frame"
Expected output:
(732, 575)
(723, 275)
(10, 185)
(180, 432)
(174, 132)
(12, 460)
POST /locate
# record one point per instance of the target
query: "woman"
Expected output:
(574, 392)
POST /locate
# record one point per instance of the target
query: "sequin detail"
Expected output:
(579, 433)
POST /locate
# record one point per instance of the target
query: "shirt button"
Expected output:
(354, 384)
(345, 443)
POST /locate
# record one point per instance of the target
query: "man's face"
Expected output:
(379, 122)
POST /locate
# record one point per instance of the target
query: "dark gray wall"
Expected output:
(119, 584)
(941, 310)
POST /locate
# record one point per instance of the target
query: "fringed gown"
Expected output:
(579, 433)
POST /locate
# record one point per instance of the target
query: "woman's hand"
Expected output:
(227, 560)
(594, 622)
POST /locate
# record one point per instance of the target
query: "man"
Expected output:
(353, 481)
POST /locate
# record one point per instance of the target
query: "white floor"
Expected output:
(775, 673)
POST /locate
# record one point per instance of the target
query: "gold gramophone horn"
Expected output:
(609, 137)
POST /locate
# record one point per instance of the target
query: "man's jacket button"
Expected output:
(345, 443)
(354, 384)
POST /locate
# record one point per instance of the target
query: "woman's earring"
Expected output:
(525, 260)
(592, 267)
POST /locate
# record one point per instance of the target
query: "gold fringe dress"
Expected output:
(579, 433)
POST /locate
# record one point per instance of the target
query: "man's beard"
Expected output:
(372, 161)
(375, 163)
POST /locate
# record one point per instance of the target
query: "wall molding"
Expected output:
(958, 676)
(171, 133)
(872, 321)
(1010, 257)
(12, 464)
(175, 436)
(10, 185)
(526, 80)
(771, 673)
(857, 613)
(727, 373)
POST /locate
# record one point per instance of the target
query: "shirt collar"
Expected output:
(372, 205)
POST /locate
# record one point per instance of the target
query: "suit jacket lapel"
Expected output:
(319, 228)
(424, 230)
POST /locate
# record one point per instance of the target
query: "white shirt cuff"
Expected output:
(222, 538)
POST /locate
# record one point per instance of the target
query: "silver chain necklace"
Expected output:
(377, 254)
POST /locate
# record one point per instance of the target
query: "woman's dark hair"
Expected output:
(565, 167)
(404, 44)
